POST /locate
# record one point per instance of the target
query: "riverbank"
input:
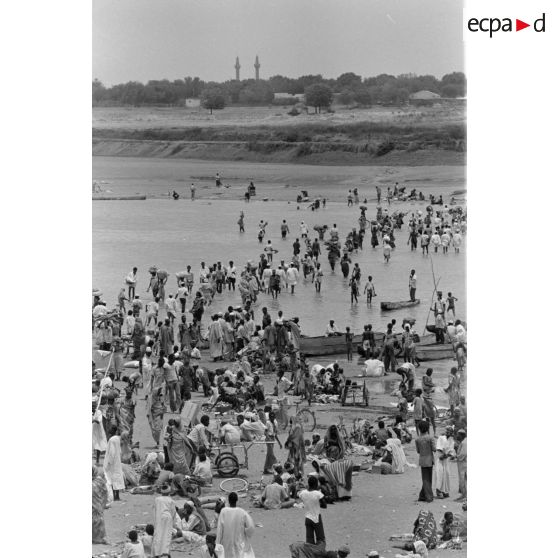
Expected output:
(375, 136)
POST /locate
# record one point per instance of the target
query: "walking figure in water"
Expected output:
(354, 290)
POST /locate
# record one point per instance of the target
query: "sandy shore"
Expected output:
(382, 505)
(274, 181)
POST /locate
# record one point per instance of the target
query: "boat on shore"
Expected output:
(435, 352)
(108, 197)
(385, 306)
(335, 344)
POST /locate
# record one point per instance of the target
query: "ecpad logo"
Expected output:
(494, 24)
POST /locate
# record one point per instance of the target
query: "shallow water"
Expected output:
(172, 235)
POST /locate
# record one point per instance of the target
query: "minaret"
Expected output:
(257, 66)
(237, 68)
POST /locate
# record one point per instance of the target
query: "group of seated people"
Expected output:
(426, 535)
(328, 379)
(236, 389)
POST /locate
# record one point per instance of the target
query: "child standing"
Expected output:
(349, 342)
(354, 290)
(369, 290)
(313, 501)
(147, 539)
(134, 548)
(451, 300)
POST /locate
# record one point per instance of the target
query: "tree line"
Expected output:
(348, 89)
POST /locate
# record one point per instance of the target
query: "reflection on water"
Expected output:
(172, 235)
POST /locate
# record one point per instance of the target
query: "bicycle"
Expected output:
(305, 416)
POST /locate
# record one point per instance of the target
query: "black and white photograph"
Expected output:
(279, 301)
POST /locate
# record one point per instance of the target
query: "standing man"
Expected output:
(122, 301)
(231, 276)
(131, 280)
(412, 285)
(418, 404)
(369, 290)
(378, 194)
(181, 296)
(426, 447)
(461, 457)
(171, 379)
(292, 277)
(284, 229)
(192, 192)
(235, 527)
(439, 310)
(171, 307)
(152, 309)
(296, 247)
(166, 338)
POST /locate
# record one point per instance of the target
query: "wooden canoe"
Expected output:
(397, 305)
(335, 345)
(105, 197)
(435, 352)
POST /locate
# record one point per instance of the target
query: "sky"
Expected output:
(139, 40)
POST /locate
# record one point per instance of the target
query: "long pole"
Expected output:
(431, 302)
(106, 372)
(433, 293)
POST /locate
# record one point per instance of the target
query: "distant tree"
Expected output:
(346, 97)
(213, 98)
(452, 90)
(380, 80)
(99, 91)
(459, 83)
(256, 93)
(454, 77)
(392, 94)
(348, 80)
(318, 96)
(280, 84)
(363, 96)
(301, 83)
(234, 88)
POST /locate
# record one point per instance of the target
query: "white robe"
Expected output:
(99, 436)
(112, 464)
(165, 510)
(292, 276)
(234, 529)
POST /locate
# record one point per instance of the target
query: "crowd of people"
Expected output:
(156, 351)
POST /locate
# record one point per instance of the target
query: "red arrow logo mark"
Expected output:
(519, 25)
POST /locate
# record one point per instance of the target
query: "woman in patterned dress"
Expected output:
(181, 451)
(127, 414)
(156, 411)
(100, 496)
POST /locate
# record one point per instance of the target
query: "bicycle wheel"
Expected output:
(307, 420)
(227, 464)
(234, 485)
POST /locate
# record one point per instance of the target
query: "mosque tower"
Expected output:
(257, 66)
(237, 68)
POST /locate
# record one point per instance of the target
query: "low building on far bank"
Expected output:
(424, 98)
(296, 98)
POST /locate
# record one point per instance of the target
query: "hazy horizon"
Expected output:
(142, 40)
